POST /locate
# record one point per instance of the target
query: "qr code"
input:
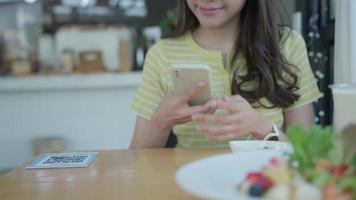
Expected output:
(65, 159)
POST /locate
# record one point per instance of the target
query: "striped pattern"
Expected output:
(156, 81)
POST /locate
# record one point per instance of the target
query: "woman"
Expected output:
(259, 69)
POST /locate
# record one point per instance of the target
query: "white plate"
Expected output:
(218, 177)
(252, 145)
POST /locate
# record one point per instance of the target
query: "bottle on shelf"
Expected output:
(140, 50)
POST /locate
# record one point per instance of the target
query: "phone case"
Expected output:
(185, 76)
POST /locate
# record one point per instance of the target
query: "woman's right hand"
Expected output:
(174, 110)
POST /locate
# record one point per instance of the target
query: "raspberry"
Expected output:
(338, 170)
(254, 177)
(265, 183)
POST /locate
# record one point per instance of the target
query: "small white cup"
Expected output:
(255, 145)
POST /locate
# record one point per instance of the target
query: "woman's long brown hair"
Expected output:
(259, 41)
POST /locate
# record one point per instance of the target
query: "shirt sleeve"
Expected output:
(297, 56)
(151, 88)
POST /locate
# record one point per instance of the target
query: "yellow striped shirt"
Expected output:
(156, 80)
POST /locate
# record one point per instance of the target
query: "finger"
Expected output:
(191, 111)
(215, 119)
(194, 112)
(217, 129)
(212, 111)
(213, 106)
(183, 120)
(192, 92)
(209, 107)
(224, 137)
(232, 107)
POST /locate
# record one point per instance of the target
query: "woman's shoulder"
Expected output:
(292, 43)
(171, 45)
(290, 38)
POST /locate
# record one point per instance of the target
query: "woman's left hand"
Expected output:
(241, 120)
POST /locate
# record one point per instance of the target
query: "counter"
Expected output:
(88, 111)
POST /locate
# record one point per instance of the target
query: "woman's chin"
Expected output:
(211, 24)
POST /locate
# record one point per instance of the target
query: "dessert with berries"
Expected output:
(322, 167)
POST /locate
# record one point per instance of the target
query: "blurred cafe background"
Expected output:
(69, 68)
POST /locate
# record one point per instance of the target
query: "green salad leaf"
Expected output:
(310, 145)
(348, 183)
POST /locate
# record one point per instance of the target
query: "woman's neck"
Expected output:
(221, 38)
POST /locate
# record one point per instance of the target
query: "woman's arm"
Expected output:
(303, 116)
(148, 135)
(173, 110)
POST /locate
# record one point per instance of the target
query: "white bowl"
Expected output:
(254, 145)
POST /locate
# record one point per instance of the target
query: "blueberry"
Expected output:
(256, 191)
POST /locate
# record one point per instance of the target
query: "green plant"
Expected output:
(168, 23)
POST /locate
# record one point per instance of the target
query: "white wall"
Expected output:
(90, 112)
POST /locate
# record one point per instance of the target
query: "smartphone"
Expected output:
(185, 76)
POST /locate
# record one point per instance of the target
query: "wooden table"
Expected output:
(121, 174)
